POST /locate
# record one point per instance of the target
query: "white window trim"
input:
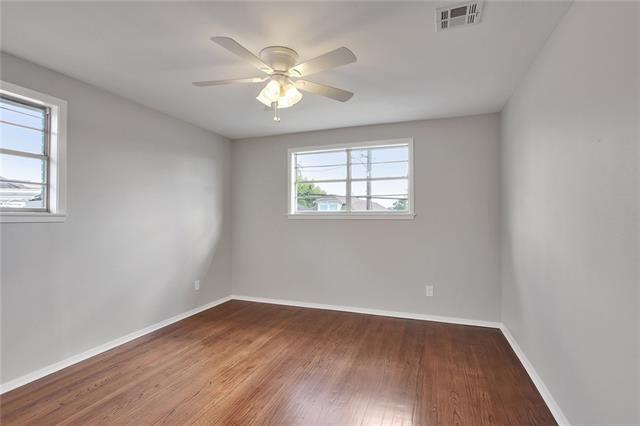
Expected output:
(291, 214)
(57, 185)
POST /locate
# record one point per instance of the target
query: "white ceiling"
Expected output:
(150, 52)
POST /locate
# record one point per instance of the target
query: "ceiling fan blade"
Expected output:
(324, 90)
(236, 48)
(335, 58)
(231, 81)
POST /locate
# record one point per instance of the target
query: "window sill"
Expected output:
(381, 216)
(31, 217)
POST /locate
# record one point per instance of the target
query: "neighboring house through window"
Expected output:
(32, 155)
(356, 180)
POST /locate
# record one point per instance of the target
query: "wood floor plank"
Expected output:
(249, 363)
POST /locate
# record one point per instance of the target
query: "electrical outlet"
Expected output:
(196, 284)
(429, 291)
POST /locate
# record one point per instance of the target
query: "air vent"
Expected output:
(458, 16)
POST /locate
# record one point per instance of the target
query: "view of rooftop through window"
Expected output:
(23, 155)
(359, 179)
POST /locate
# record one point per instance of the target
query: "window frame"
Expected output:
(23, 154)
(291, 179)
(54, 154)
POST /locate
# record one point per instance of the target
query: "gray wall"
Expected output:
(453, 243)
(148, 209)
(570, 249)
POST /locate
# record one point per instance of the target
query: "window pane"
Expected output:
(25, 115)
(379, 170)
(21, 196)
(322, 188)
(321, 204)
(394, 153)
(381, 177)
(388, 203)
(22, 168)
(322, 172)
(321, 158)
(321, 196)
(381, 187)
(21, 139)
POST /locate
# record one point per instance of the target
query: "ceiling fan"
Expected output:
(284, 74)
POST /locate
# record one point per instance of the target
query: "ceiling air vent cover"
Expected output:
(458, 16)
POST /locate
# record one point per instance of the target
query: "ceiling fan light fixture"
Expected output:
(290, 97)
(270, 93)
(284, 93)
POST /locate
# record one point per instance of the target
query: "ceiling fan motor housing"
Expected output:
(279, 58)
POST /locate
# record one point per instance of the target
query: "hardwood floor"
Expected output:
(251, 363)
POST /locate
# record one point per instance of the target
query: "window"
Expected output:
(32, 147)
(359, 180)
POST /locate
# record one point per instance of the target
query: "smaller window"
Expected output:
(24, 155)
(358, 180)
(32, 147)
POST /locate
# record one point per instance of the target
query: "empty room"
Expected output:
(320, 213)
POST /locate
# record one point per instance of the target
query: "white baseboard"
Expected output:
(27, 378)
(394, 314)
(537, 381)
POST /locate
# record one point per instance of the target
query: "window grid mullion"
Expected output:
(19, 112)
(25, 182)
(344, 164)
(348, 189)
(353, 179)
(23, 126)
(47, 149)
(24, 153)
